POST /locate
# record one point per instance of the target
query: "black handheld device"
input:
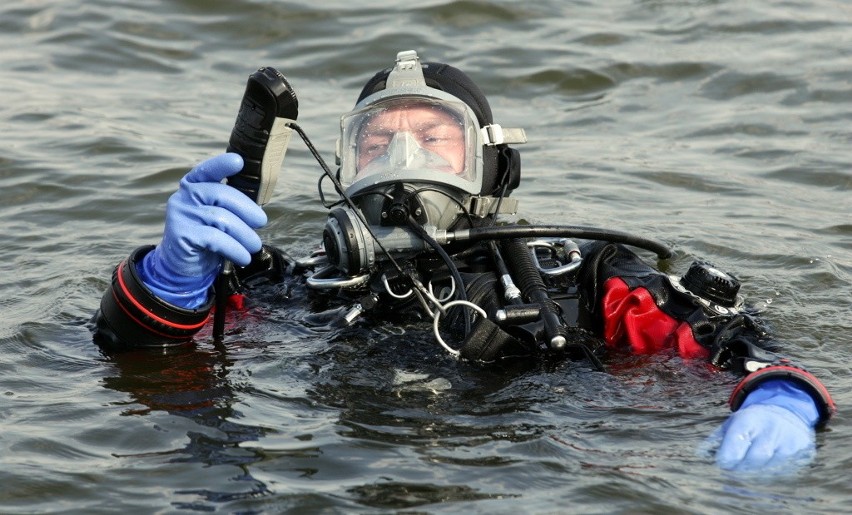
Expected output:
(261, 133)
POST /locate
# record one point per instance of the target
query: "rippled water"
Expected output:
(722, 128)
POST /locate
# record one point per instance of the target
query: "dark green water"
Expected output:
(720, 127)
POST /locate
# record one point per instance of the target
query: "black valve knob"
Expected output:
(708, 282)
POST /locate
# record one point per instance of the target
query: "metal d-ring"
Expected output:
(321, 280)
(437, 316)
(447, 296)
(391, 293)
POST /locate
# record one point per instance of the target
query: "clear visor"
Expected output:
(410, 139)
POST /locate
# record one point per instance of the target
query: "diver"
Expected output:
(424, 174)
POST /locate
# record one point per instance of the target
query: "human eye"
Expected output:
(440, 135)
(374, 145)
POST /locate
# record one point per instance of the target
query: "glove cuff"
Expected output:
(800, 377)
(159, 276)
(140, 318)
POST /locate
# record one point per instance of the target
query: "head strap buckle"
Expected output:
(481, 206)
(494, 134)
(407, 72)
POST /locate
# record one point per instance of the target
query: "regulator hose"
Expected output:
(461, 291)
(570, 231)
(533, 290)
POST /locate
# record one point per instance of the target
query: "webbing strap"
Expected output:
(485, 341)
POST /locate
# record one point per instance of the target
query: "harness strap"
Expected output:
(485, 341)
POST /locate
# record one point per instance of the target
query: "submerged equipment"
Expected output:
(423, 166)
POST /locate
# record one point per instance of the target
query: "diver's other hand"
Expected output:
(206, 222)
(773, 429)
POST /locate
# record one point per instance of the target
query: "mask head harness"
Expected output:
(420, 146)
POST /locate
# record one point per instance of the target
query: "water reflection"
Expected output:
(192, 382)
(395, 402)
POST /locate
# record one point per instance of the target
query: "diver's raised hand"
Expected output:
(772, 430)
(206, 222)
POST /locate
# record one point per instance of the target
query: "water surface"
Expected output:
(721, 128)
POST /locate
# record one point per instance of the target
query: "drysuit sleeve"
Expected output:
(132, 316)
(635, 306)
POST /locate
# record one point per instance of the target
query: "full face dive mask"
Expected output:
(408, 153)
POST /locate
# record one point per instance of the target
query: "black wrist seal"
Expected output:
(801, 377)
(135, 317)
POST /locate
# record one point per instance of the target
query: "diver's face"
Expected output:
(434, 130)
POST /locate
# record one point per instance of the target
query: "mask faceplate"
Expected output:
(411, 139)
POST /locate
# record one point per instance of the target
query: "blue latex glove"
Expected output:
(206, 222)
(773, 429)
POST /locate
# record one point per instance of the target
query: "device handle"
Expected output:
(261, 133)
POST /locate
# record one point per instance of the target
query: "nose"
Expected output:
(403, 149)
